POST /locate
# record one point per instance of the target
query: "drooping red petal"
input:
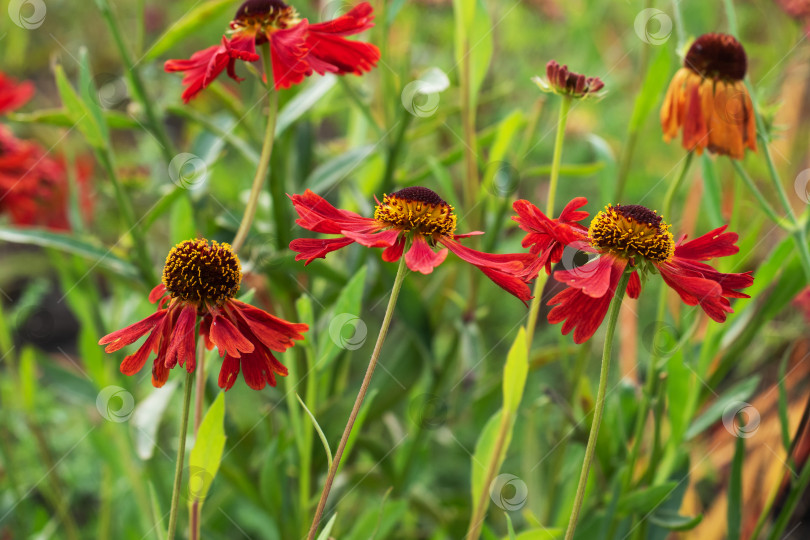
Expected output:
(421, 258)
(310, 249)
(229, 372)
(384, 239)
(592, 278)
(182, 346)
(716, 243)
(570, 214)
(330, 52)
(511, 283)
(288, 51)
(130, 334)
(133, 363)
(634, 286)
(580, 312)
(274, 332)
(227, 337)
(394, 252)
(547, 237)
(318, 215)
(157, 292)
(201, 69)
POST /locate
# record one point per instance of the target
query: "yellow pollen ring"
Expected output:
(201, 273)
(630, 236)
(411, 215)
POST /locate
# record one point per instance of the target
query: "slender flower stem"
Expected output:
(358, 402)
(181, 454)
(650, 382)
(763, 203)
(540, 282)
(264, 159)
(599, 407)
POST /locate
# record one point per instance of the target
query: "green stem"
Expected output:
(669, 197)
(138, 89)
(731, 17)
(264, 159)
(181, 454)
(141, 256)
(763, 203)
(358, 402)
(679, 29)
(599, 407)
(394, 149)
(798, 487)
(540, 282)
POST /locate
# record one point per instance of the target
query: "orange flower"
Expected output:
(708, 100)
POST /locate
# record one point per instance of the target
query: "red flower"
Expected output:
(297, 48)
(34, 187)
(201, 281)
(413, 217)
(627, 238)
(13, 95)
(560, 80)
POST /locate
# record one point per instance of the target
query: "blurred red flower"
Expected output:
(626, 238)
(297, 48)
(413, 217)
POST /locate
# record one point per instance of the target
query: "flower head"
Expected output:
(297, 48)
(708, 100)
(200, 280)
(567, 83)
(415, 218)
(627, 238)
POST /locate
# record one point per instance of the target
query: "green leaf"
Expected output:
(474, 42)
(319, 431)
(65, 242)
(304, 101)
(338, 168)
(484, 453)
(328, 529)
(672, 520)
(509, 527)
(188, 26)
(498, 152)
(181, 221)
(739, 392)
(644, 500)
(344, 317)
(60, 117)
(514, 373)
(78, 111)
(28, 378)
(89, 93)
(205, 457)
(652, 87)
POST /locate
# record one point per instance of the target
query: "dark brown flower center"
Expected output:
(267, 14)
(717, 56)
(632, 230)
(417, 209)
(201, 273)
